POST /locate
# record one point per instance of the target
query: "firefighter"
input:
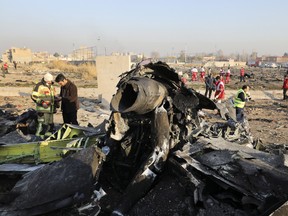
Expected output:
(44, 96)
(239, 102)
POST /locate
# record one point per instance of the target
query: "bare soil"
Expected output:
(267, 113)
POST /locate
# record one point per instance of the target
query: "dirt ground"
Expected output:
(267, 113)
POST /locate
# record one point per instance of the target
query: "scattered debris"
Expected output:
(159, 142)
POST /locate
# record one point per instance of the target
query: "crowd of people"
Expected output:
(47, 100)
(217, 85)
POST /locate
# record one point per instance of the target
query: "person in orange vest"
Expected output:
(227, 75)
(220, 90)
(285, 87)
(242, 73)
(194, 72)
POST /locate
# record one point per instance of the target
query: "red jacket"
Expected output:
(242, 72)
(285, 83)
(220, 90)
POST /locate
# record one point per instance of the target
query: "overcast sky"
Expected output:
(164, 26)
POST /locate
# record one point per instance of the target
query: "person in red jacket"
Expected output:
(219, 93)
(227, 75)
(202, 74)
(242, 74)
(194, 72)
(285, 87)
(5, 69)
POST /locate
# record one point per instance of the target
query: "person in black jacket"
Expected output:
(69, 99)
(209, 84)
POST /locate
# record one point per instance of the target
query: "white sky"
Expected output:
(146, 26)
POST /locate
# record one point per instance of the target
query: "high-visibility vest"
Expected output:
(43, 93)
(237, 101)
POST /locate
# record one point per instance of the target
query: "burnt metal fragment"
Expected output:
(161, 156)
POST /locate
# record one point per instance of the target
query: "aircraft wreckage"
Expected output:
(163, 152)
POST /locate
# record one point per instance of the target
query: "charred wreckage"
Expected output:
(162, 152)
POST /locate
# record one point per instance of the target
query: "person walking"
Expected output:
(285, 86)
(44, 97)
(242, 75)
(209, 85)
(220, 90)
(239, 101)
(69, 99)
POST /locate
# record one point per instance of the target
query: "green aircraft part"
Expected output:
(67, 139)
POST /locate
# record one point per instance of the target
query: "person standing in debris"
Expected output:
(221, 72)
(202, 74)
(5, 69)
(194, 72)
(242, 75)
(69, 99)
(15, 65)
(209, 85)
(240, 99)
(220, 88)
(44, 96)
(285, 86)
(227, 75)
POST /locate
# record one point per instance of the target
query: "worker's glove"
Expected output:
(57, 98)
(45, 104)
(57, 104)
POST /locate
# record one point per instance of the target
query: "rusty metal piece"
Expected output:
(139, 95)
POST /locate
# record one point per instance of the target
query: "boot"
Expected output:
(39, 129)
(51, 128)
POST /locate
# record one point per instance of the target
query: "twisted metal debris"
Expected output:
(160, 135)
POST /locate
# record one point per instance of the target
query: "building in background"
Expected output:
(19, 55)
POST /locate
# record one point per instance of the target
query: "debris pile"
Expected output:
(164, 152)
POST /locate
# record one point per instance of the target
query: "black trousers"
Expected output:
(70, 117)
(208, 92)
(284, 94)
(240, 114)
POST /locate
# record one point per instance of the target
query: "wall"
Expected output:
(21, 55)
(224, 64)
(108, 70)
